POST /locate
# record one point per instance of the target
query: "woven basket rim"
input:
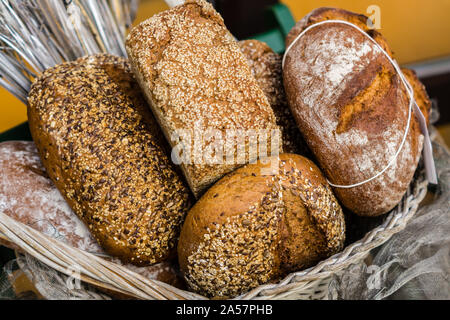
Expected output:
(308, 282)
(394, 222)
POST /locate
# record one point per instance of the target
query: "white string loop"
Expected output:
(412, 103)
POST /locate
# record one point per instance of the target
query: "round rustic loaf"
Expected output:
(352, 109)
(104, 151)
(252, 227)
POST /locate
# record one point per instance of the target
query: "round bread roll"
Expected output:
(252, 227)
(104, 151)
(29, 196)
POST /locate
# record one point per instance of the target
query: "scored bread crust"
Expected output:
(103, 149)
(420, 93)
(195, 78)
(266, 68)
(251, 228)
(352, 109)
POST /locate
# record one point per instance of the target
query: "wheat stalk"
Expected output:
(38, 34)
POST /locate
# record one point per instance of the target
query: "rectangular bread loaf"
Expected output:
(197, 81)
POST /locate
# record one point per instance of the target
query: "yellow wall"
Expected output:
(13, 112)
(148, 8)
(415, 29)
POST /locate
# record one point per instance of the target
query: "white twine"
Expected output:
(412, 103)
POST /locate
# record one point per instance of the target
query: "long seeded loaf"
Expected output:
(103, 149)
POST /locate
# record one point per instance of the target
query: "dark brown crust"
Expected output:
(265, 226)
(266, 67)
(193, 74)
(362, 116)
(102, 148)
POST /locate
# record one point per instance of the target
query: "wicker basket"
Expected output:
(307, 284)
(311, 283)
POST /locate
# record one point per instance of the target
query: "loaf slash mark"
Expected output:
(365, 101)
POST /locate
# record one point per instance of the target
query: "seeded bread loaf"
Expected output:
(352, 109)
(103, 150)
(251, 228)
(266, 67)
(196, 80)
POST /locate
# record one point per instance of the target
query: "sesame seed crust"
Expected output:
(104, 151)
(251, 228)
(195, 77)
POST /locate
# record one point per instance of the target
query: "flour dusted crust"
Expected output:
(266, 68)
(195, 78)
(251, 228)
(352, 109)
(103, 150)
(29, 196)
(328, 13)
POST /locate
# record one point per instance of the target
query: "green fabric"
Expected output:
(273, 38)
(280, 21)
(21, 132)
